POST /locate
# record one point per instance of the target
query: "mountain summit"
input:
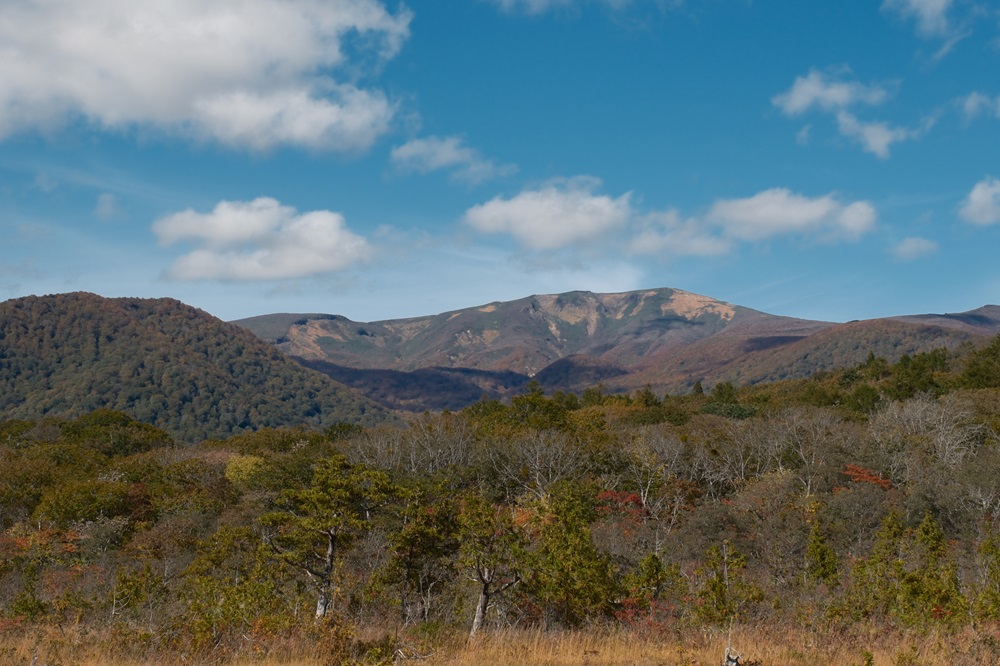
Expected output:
(663, 338)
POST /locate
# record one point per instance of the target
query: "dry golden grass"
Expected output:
(707, 649)
(766, 647)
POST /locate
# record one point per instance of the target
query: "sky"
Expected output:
(379, 160)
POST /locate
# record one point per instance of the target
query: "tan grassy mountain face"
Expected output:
(524, 335)
(663, 338)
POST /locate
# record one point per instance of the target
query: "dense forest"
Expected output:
(858, 500)
(160, 361)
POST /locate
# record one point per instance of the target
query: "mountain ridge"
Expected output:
(666, 339)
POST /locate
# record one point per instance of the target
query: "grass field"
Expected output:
(52, 646)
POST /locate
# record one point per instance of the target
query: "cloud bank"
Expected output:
(259, 240)
(247, 73)
(570, 212)
(781, 212)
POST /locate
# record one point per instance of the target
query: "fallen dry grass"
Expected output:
(764, 646)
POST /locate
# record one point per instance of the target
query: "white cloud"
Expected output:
(779, 211)
(259, 240)
(254, 73)
(561, 214)
(976, 103)
(818, 90)
(541, 6)
(931, 15)
(449, 153)
(107, 206)
(346, 118)
(982, 206)
(913, 247)
(875, 137)
(667, 233)
(569, 212)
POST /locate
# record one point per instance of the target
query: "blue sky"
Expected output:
(836, 160)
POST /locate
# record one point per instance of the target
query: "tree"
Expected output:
(987, 603)
(653, 580)
(822, 564)
(491, 552)
(908, 576)
(569, 577)
(313, 527)
(929, 586)
(724, 594)
(231, 588)
(982, 369)
(536, 461)
(725, 393)
(422, 557)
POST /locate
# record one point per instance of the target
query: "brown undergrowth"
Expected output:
(770, 646)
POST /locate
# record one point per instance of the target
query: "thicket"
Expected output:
(870, 494)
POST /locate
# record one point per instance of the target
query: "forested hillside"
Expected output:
(851, 517)
(160, 361)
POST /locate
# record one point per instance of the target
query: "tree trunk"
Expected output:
(481, 606)
(322, 604)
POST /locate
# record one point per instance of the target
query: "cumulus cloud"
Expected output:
(560, 214)
(249, 73)
(817, 89)
(913, 247)
(570, 213)
(831, 95)
(876, 137)
(668, 233)
(931, 15)
(976, 103)
(779, 211)
(448, 153)
(982, 206)
(259, 240)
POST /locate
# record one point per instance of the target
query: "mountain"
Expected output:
(663, 338)
(522, 336)
(161, 362)
(984, 320)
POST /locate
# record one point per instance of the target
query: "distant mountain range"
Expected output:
(179, 368)
(161, 362)
(666, 339)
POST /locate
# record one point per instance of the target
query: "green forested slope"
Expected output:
(161, 362)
